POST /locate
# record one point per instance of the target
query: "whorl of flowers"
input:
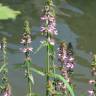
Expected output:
(93, 66)
(65, 57)
(26, 39)
(62, 53)
(92, 91)
(7, 91)
(48, 27)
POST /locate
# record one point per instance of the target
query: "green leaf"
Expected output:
(7, 13)
(1, 87)
(64, 81)
(2, 67)
(43, 44)
(31, 78)
(38, 72)
(17, 66)
(50, 47)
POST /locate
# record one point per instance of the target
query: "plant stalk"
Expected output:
(48, 70)
(29, 82)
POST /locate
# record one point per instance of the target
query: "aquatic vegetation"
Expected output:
(92, 82)
(48, 29)
(66, 60)
(26, 40)
(5, 88)
(60, 63)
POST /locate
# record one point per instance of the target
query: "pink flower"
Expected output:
(71, 58)
(29, 40)
(43, 29)
(55, 32)
(26, 49)
(7, 92)
(44, 17)
(69, 65)
(50, 18)
(91, 81)
(91, 92)
(22, 41)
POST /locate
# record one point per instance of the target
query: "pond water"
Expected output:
(75, 23)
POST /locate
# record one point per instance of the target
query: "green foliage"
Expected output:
(26, 27)
(31, 78)
(2, 67)
(7, 13)
(43, 44)
(38, 72)
(64, 81)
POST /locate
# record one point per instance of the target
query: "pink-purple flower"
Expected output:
(48, 27)
(66, 59)
(92, 81)
(91, 93)
(7, 91)
(26, 49)
(26, 40)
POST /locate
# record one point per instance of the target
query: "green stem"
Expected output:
(29, 73)
(54, 71)
(29, 82)
(5, 72)
(48, 70)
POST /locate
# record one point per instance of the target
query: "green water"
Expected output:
(75, 23)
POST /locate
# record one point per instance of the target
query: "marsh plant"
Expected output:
(25, 41)
(60, 63)
(48, 29)
(66, 65)
(5, 87)
(92, 82)
(27, 49)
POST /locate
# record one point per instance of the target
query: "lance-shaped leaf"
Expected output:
(38, 72)
(64, 81)
(7, 13)
(43, 44)
(18, 66)
(31, 78)
(2, 67)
